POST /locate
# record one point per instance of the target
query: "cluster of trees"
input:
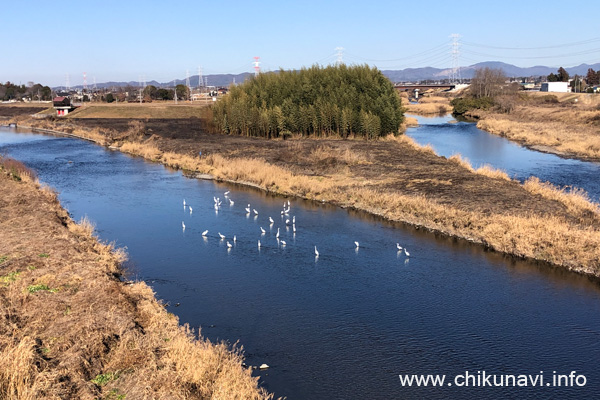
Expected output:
(561, 76)
(488, 88)
(335, 100)
(593, 77)
(153, 93)
(10, 91)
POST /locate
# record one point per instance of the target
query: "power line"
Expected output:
(533, 48)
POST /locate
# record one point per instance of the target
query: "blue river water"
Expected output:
(519, 162)
(344, 325)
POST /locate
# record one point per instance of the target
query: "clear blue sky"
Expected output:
(42, 41)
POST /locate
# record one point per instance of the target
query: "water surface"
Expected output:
(343, 325)
(519, 162)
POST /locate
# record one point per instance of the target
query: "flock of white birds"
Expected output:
(285, 215)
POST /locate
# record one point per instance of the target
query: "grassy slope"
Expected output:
(136, 110)
(70, 329)
(568, 128)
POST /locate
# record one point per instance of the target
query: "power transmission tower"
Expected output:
(84, 82)
(339, 53)
(175, 90)
(455, 78)
(256, 66)
(67, 83)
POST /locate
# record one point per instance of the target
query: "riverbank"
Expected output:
(71, 329)
(566, 124)
(393, 178)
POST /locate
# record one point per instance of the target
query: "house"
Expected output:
(62, 105)
(560, 87)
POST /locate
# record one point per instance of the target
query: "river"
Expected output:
(343, 325)
(519, 162)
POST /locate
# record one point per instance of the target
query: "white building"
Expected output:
(561, 87)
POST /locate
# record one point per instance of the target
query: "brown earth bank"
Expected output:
(70, 329)
(391, 177)
(567, 124)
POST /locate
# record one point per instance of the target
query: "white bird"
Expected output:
(229, 245)
(216, 207)
(287, 221)
(357, 245)
(277, 235)
(288, 204)
(234, 239)
(259, 244)
(316, 252)
(205, 232)
(190, 209)
(184, 202)
(398, 247)
(263, 366)
(248, 209)
(262, 230)
(283, 243)
(294, 228)
(231, 202)
(215, 199)
(271, 220)
(294, 219)
(226, 193)
(255, 212)
(221, 236)
(283, 212)
(406, 252)
(183, 225)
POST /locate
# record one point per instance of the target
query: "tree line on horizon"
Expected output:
(10, 91)
(317, 101)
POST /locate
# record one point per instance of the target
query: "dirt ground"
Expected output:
(389, 166)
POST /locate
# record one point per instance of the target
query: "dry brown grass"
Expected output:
(428, 108)
(485, 170)
(346, 155)
(140, 111)
(576, 200)
(566, 127)
(17, 170)
(407, 140)
(70, 329)
(552, 239)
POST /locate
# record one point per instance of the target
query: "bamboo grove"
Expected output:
(317, 101)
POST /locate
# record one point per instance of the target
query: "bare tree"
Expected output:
(488, 82)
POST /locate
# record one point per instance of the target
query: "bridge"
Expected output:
(423, 87)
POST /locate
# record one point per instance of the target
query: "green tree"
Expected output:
(110, 98)
(592, 78)
(151, 92)
(183, 92)
(563, 75)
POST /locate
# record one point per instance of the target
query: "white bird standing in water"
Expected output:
(248, 209)
(283, 243)
(221, 236)
(259, 244)
(255, 212)
(205, 232)
(262, 231)
(294, 228)
(316, 252)
(294, 219)
(357, 245)
(406, 252)
(231, 202)
(277, 235)
(229, 245)
(234, 239)
(190, 210)
(226, 193)
(184, 202)
(271, 220)
(183, 225)
(398, 247)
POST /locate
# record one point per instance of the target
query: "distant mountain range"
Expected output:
(403, 75)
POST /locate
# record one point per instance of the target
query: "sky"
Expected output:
(127, 40)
